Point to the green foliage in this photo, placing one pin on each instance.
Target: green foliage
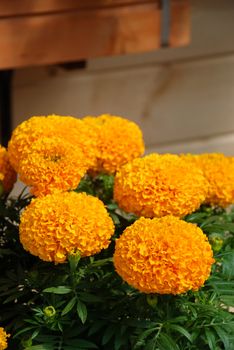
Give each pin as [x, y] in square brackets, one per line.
[83, 304]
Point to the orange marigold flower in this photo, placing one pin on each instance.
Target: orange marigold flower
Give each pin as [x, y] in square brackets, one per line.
[163, 255]
[219, 171]
[52, 165]
[159, 185]
[3, 338]
[119, 141]
[7, 174]
[69, 128]
[53, 226]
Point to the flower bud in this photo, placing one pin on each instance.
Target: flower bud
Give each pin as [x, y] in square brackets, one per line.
[216, 242]
[49, 311]
[152, 300]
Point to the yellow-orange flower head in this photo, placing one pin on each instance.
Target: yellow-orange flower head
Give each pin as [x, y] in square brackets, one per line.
[69, 128]
[163, 255]
[119, 141]
[7, 173]
[53, 226]
[3, 339]
[52, 165]
[159, 185]
[219, 171]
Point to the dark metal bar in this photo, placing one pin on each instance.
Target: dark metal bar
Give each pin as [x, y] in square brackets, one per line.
[5, 106]
[165, 26]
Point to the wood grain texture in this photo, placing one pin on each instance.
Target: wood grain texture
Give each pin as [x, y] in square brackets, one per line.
[29, 7]
[81, 33]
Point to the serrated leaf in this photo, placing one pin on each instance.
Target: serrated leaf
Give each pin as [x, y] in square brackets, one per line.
[81, 311]
[58, 290]
[69, 306]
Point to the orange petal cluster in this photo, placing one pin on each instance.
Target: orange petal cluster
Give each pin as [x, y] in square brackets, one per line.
[3, 339]
[53, 226]
[219, 172]
[52, 165]
[7, 174]
[68, 128]
[159, 185]
[165, 256]
[119, 141]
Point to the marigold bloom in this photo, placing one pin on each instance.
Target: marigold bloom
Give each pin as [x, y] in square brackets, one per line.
[3, 338]
[7, 174]
[69, 128]
[165, 256]
[119, 141]
[53, 226]
[219, 171]
[52, 165]
[159, 185]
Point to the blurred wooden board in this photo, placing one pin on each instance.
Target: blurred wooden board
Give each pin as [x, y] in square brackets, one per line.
[43, 32]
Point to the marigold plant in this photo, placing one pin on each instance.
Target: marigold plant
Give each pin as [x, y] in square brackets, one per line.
[56, 225]
[7, 174]
[69, 128]
[159, 185]
[3, 339]
[165, 256]
[219, 172]
[119, 141]
[52, 165]
[80, 270]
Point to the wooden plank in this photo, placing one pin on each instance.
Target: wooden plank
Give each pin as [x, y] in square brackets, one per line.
[26, 7]
[39, 40]
[80, 34]
[179, 24]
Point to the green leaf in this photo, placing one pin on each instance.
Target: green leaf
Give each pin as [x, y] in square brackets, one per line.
[96, 327]
[69, 306]
[228, 265]
[73, 261]
[23, 331]
[89, 298]
[166, 342]
[115, 218]
[224, 337]
[210, 337]
[81, 343]
[58, 290]
[108, 334]
[181, 330]
[81, 311]
[40, 347]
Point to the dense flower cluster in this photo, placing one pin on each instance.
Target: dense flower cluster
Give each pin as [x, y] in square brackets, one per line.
[7, 173]
[165, 256]
[53, 226]
[159, 185]
[3, 339]
[119, 141]
[219, 171]
[52, 165]
[68, 128]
